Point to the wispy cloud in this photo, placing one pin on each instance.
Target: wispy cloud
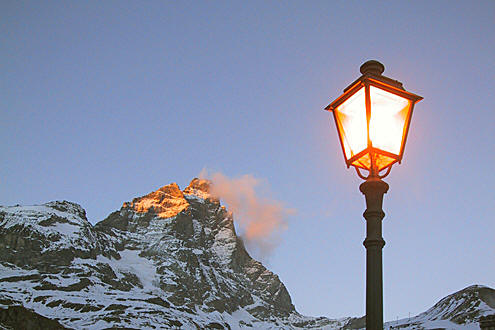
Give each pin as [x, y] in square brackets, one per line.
[260, 219]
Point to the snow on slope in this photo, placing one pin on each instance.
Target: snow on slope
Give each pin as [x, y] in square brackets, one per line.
[51, 219]
[460, 310]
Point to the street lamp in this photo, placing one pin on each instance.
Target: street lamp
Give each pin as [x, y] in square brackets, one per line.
[372, 117]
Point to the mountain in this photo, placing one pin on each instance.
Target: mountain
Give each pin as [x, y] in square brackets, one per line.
[462, 309]
[169, 259]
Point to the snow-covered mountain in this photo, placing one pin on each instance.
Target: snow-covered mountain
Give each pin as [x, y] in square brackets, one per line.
[170, 259]
[460, 310]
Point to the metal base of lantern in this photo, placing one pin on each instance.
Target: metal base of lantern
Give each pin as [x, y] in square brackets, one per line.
[373, 190]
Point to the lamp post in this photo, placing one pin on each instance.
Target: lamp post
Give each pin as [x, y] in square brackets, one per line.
[372, 118]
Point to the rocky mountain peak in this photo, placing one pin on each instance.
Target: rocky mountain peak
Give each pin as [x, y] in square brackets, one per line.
[200, 188]
[171, 189]
[169, 200]
[465, 305]
[47, 236]
[460, 310]
[166, 202]
[69, 207]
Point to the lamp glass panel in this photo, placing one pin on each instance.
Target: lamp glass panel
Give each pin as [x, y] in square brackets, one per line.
[363, 161]
[381, 161]
[351, 118]
[389, 113]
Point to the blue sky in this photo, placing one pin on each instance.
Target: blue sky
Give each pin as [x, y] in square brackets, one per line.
[103, 101]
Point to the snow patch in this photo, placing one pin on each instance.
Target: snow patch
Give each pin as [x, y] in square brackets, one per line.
[131, 262]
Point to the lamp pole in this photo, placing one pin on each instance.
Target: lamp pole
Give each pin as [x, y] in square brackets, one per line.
[373, 190]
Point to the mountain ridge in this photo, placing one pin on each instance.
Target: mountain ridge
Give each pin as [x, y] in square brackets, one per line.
[169, 258]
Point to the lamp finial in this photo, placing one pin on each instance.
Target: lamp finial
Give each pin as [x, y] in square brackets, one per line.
[372, 67]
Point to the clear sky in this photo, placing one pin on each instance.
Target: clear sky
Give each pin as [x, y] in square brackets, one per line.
[103, 101]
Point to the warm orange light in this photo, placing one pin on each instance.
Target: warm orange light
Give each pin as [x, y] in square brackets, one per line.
[351, 117]
[372, 118]
[376, 131]
[389, 114]
[381, 161]
[387, 117]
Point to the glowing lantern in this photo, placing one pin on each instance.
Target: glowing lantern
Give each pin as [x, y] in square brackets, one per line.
[372, 118]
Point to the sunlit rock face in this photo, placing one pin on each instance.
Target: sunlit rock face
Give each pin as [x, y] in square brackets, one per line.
[169, 259]
[199, 188]
[166, 202]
